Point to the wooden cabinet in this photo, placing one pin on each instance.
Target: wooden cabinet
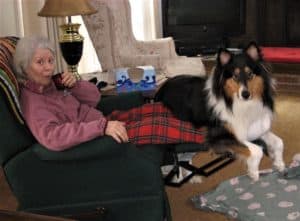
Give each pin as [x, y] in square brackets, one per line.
[293, 21]
[278, 22]
[268, 22]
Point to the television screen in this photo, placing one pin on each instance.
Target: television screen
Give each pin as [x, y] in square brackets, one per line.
[199, 25]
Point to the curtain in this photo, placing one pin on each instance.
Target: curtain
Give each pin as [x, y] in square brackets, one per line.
[32, 23]
[89, 61]
[146, 19]
[11, 25]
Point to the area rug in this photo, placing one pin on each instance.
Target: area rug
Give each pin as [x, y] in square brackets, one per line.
[275, 197]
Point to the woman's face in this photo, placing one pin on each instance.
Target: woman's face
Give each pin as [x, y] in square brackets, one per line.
[41, 66]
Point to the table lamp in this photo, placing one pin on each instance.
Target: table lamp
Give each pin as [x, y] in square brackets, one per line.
[71, 42]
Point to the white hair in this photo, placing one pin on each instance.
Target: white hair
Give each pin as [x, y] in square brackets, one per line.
[25, 50]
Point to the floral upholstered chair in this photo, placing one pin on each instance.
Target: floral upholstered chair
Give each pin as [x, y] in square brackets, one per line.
[110, 30]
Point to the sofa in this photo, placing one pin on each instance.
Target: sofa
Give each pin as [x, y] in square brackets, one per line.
[96, 180]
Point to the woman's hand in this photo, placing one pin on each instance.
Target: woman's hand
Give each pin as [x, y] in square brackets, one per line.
[117, 130]
[68, 79]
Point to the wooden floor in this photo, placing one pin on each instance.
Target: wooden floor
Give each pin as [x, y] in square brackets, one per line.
[21, 216]
[286, 82]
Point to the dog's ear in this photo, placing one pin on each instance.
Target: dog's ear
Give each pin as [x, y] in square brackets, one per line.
[253, 51]
[224, 57]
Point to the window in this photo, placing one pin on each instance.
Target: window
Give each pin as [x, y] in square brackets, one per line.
[89, 61]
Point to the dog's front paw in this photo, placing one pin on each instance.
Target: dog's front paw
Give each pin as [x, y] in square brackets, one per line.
[196, 179]
[254, 175]
[280, 166]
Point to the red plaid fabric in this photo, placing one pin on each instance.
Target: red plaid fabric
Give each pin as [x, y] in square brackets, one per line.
[155, 124]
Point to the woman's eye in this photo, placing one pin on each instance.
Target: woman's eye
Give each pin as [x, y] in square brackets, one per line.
[41, 62]
[51, 61]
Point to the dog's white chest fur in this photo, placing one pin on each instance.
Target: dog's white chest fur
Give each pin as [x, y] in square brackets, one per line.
[249, 119]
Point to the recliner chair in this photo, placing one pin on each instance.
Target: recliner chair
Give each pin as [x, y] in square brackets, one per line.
[96, 180]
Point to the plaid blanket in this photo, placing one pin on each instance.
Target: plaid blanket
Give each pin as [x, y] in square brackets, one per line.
[155, 124]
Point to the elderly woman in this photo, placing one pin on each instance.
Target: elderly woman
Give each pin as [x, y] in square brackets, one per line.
[60, 120]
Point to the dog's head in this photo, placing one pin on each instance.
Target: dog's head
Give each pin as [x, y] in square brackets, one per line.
[242, 76]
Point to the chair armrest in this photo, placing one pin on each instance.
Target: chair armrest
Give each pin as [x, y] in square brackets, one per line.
[95, 149]
[123, 101]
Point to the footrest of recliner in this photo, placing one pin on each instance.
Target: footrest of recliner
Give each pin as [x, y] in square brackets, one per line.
[204, 170]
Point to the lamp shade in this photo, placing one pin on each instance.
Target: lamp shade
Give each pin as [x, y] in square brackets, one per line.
[62, 8]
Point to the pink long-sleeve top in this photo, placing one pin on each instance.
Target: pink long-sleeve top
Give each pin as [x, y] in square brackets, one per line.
[61, 120]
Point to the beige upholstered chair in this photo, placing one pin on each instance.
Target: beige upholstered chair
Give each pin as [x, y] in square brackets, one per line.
[110, 30]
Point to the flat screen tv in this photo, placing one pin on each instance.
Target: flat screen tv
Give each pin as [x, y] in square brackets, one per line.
[202, 26]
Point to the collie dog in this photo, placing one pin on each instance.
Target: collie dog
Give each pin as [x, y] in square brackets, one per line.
[236, 104]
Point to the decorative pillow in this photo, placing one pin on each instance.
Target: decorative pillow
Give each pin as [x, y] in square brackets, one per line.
[8, 81]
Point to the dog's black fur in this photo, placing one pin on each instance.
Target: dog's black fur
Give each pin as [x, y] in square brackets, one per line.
[185, 97]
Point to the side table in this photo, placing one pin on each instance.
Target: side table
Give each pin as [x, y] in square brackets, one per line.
[110, 89]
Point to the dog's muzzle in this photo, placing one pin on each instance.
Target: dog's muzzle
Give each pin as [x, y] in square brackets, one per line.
[244, 93]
